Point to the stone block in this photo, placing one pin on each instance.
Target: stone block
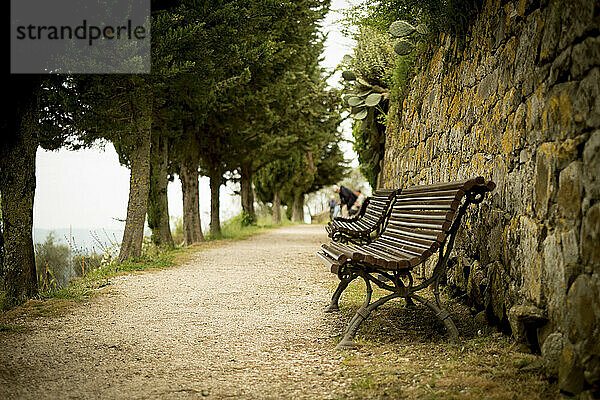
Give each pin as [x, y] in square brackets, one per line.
[591, 166]
[570, 251]
[586, 100]
[583, 307]
[555, 287]
[590, 238]
[530, 236]
[570, 190]
[557, 114]
[585, 55]
[476, 284]
[545, 185]
[533, 115]
[570, 371]
[497, 289]
[577, 17]
[551, 33]
[551, 351]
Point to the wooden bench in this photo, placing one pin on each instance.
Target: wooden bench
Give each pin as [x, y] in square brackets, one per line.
[360, 228]
[423, 220]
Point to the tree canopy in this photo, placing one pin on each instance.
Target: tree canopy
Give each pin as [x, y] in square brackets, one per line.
[235, 93]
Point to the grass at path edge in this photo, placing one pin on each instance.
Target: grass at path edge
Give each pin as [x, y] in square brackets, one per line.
[97, 281]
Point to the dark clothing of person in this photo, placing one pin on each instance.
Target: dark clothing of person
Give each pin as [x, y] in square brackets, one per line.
[347, 196]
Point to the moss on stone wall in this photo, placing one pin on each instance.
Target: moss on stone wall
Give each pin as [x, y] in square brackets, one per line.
[518, 101]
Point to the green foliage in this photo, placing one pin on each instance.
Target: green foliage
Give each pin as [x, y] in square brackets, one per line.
[84, 263]
[401, 76]
[401, 29]
[52, 264]
[246, 219]
[447, 16]
[378, 70]
[373, 63]
[272, 178]
[373, 57]
[403, 47]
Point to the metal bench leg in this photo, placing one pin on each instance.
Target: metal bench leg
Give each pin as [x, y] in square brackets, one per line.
[344, 282]
[362, 313]
[442, 314]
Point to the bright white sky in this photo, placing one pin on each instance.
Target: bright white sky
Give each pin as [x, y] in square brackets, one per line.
[89, 188]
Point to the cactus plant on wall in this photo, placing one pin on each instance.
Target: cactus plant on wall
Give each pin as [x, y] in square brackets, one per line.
[405, 31]
[367, 81]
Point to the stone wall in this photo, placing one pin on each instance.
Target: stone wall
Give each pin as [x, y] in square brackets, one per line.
[519, 103]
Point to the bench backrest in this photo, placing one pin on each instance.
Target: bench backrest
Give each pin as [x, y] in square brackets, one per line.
[422, 216]
[374, 211]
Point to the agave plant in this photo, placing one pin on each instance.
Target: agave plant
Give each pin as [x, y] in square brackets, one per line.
[402, 30]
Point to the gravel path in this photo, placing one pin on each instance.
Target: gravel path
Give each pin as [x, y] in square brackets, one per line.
[242, 320]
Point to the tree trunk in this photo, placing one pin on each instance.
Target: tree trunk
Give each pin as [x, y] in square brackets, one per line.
[298, 208]
[158, 203]
[17, 187]
[276, 208]
[139, 183]
[246, 190]
[1, 245]
[188, 174]
[215, 184]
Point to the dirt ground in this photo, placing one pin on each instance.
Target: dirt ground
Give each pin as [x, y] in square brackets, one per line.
[245, 320]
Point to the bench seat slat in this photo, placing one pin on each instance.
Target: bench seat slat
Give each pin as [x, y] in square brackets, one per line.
[406, 248]
[335, 253]
[417, 242]
[379, 259]
[417, 204]
[423, 215]
[412, 261]
[379, 202]
[331, 263]
[367, 255]
[385, 260]
[405, 252]
[456, 193]
[358, 226]
[371, 218]
[348, 251]
[441, 207]
[427, 224]
[375, 210]
[417, 233]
